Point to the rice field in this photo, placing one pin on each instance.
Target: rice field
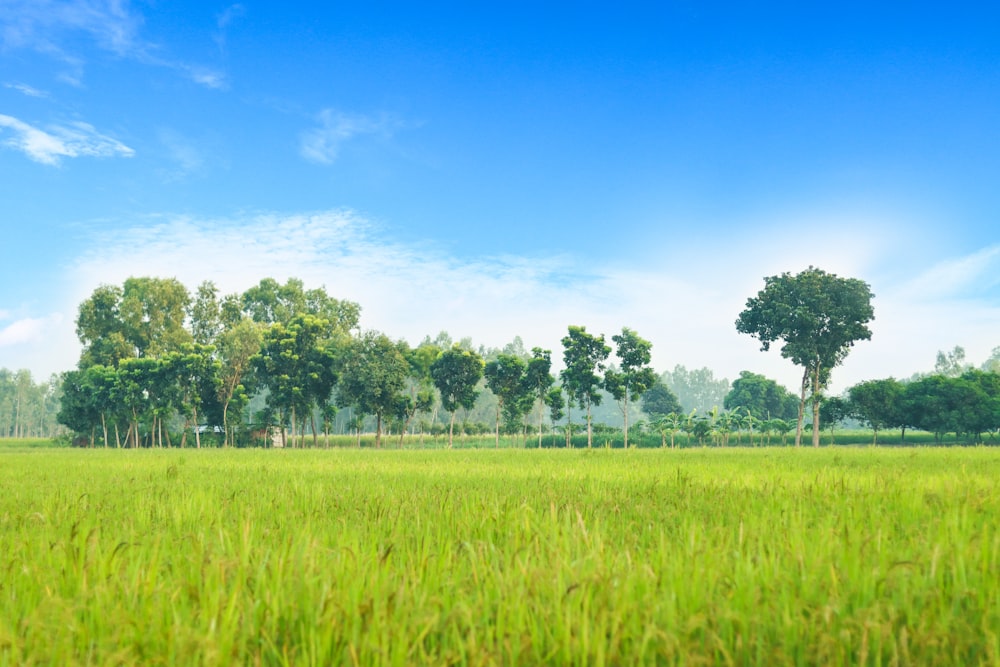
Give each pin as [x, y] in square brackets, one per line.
[837, 556]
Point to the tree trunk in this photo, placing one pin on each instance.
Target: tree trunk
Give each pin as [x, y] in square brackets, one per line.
[225, 423]
[802, 408]
[816, 400]
[104, 427]
[378, 430]
[569, 423]
[590, 435]
[625, 413]
[540, 420]
[451, 430]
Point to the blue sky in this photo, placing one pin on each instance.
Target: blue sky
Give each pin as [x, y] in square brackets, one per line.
[509, 169]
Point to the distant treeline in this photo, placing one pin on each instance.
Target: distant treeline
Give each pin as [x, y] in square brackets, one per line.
[161, 366]
[28, 409]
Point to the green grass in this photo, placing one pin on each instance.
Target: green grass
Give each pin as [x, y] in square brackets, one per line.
[702, 556]
[7, 444]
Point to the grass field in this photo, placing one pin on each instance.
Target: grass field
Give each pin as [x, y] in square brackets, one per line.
[753, 556]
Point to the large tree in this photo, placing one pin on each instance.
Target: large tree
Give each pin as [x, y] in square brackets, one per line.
[505, 377]
[419, 395]
[456, 372]
[877, 403]
[538, 380]
[633, 376]
[296, 363]
[143, 318]
[818, 316]
[372, 378]
[584, 355]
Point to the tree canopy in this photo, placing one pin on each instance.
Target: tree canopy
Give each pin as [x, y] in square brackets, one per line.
[818, 316]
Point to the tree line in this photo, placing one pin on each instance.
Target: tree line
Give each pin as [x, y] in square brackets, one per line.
[28, 409]
[162, 366]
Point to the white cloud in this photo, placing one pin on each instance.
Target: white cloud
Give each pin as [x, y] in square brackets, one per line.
[207, 77]
[42, 24]
[25, 89]
[27, 330]
[76, 139]
[51, 26]
[972, 273]
[322, 144]
[685, 306]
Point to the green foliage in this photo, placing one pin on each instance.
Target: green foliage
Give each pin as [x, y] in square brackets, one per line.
[818, 316]
[762, 397]
[28, 408]
[878, 404]
[143, 318]
[456, 372]
[372, 378]
[583, 356]
[658, 401]
[506, 378]
[969, 404]
[633, 376]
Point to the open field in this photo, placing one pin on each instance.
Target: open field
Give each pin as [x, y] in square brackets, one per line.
[702, 556]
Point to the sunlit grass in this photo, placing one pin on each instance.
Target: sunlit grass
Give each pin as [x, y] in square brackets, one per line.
[768, 556]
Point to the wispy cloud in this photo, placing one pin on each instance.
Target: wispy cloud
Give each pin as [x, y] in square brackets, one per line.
[25, 89]
[185, 156]
[43, 24]
[27, 330]
[50, 145]
[204, 76]
[50, 26]
[686, 308]
[223, 21]
[322, 144]
[968, 275]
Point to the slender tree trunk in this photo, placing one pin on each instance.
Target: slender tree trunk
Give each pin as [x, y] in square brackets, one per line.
[104, 427]
[802, 408]
[816, 408]
[451, 430]
[540, 420]
[626, 419]
[569, 422]
[197, 431]
[496, 444]
[590, 433]
[225, 423]
[312, 423]
[378, 430]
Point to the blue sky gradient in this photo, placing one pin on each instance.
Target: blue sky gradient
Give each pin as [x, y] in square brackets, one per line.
[511, 169]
